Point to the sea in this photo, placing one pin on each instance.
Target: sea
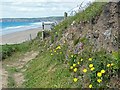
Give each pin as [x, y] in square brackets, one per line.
[11, 27]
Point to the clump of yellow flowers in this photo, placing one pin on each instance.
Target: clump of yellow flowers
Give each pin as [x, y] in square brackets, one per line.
[58, 47]
[75, 79]
[71, 67]
[90, 86]
[74, 65]
[102, 71]
[109, 65]
[99, 74]
[84, 70]
[90, 59]
[99, 80]
[78, 63]
[75, 70]
[91, 67]
[81, 59]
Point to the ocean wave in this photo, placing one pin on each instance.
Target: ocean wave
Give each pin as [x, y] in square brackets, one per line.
[9, 30]
[37, 23]
[12, 29]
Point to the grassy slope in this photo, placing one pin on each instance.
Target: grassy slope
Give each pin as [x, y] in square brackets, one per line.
[45, 71]
[12, 53]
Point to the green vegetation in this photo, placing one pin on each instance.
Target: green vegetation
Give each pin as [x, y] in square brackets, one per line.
[8, 50]
[11, 82]
[59, 71]
[61, 65]
[54, 74]
[88, 14]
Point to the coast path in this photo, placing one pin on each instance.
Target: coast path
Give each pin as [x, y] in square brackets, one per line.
[20, 66]
[3, 76]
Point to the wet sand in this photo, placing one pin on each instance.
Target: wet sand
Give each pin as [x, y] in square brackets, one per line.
[19, 37]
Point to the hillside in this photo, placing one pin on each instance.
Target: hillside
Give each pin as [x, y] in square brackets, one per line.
[80, 52]
[31, 19]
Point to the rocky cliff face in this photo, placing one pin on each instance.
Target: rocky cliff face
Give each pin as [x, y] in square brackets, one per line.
[101, 31]
[106, 28]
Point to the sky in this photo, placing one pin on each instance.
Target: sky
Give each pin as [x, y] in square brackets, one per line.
[36, 8]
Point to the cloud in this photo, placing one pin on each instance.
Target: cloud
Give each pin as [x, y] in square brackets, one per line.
[41, 1]
[36, 8]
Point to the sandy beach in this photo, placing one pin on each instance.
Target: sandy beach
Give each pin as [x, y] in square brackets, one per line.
[19, 37]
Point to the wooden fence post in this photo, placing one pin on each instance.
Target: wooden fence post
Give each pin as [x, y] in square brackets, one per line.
[65, 15]
[42, 34]
[42, 30]
[30, 37]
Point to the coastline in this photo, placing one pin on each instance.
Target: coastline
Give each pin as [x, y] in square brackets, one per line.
[19, 37]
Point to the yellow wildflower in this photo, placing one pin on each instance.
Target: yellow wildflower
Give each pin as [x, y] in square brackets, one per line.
[51, 54]
[60, 52]
[84, 70]
[71, 67]
[81, 59]
[54, 50]
[71, 55]
[90, 86]
[75, 70]
[99, 74]
[102, 71]
[112, 64]
[91, 65]
[74, 65]
[92, 68]
[108, 65]
[58, 47]
[56, 32]
[99, 80]
[75, 79]
[90, 59]
[78, 62]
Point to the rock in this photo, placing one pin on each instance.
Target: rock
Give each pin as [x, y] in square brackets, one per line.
[73, 23]
[107, 33]
[95, 35]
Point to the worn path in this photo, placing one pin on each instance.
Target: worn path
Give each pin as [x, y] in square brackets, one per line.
[19, 66]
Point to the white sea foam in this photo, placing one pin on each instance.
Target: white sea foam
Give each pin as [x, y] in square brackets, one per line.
[9, 30]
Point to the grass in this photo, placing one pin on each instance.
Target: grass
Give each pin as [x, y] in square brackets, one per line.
[8, 50]
[52, 67]
[53, 74]
[11, 82]
[47, 71]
